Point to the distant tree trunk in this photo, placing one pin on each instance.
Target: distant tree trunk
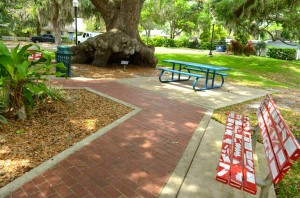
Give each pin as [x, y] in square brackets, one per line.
[38, 27]
[121, 40]
[55, 23]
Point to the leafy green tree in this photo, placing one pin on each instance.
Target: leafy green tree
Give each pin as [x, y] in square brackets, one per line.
[88, 11]
[180, 15]
[57, 12]
[15, 17]
[147, 17]
[256, 16]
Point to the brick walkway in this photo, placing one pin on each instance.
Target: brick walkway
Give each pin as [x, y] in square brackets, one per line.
[134, 159]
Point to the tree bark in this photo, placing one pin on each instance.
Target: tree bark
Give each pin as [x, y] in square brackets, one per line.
[121, 40]
[55, 23]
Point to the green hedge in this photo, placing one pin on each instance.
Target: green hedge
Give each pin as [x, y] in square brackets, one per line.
[167, 42]
[282, 53]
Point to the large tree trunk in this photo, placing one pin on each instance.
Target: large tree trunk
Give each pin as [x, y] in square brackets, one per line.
[121, 40]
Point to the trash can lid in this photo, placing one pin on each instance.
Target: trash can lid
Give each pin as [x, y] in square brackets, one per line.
[64, 48]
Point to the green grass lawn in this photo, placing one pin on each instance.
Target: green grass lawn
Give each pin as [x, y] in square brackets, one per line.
[251, 71]
[263, 73]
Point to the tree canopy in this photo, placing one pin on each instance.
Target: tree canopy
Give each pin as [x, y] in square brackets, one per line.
[256, 16]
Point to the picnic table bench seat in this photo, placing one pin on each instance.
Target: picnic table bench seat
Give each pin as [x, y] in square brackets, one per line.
[236, 164]
[189, 75]
[207, 72]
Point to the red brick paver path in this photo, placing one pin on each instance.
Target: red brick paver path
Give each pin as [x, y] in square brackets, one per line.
[134, 159]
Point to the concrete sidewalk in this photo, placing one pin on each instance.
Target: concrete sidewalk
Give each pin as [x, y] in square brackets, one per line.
[197, 179]
[168, 147]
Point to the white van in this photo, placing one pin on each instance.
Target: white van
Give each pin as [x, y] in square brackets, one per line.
[85, 36]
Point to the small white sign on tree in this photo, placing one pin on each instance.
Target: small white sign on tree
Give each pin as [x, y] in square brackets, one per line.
[124, 63]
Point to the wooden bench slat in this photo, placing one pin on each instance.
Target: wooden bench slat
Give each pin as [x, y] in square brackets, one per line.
[223, 169]
[280, 153]
[280, 144]
[274, 168]
[236, 176]
[285, 135]
[249, 169]
[236, 164]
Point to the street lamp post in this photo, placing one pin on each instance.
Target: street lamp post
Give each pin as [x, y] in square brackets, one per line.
[75, 5]
[212, 36]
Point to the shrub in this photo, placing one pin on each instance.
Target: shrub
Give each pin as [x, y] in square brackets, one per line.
[282, 53]
[159, 41]
[181, 42]
[169, 43]
[237, 48]
[193, 43]
[21, 78]
[249, 49]
[206, 46]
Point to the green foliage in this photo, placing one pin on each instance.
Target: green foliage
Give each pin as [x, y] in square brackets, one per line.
[3, 120]
[21, 78]
[180, 15]
[206, 45]
[282, 53]
[257, 17]
[181, 42]
[242, 37]
[57, 93]
[205, 36]
[170, 43]
[159, 41]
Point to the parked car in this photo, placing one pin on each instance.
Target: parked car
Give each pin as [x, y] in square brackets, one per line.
[85, 36]
[43, 38]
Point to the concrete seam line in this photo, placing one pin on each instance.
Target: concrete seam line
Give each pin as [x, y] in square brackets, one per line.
[17, 183]
[174, 183]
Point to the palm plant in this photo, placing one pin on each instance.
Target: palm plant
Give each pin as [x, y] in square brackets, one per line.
[21, 78]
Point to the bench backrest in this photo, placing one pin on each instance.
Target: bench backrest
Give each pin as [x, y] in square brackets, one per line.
[280, 144]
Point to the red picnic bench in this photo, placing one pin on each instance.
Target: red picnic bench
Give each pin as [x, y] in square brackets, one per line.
[35, 56]
[236, 164]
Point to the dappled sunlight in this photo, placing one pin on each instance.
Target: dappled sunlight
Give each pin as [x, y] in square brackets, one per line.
[138, 175]
[4, 150]
[214, 98]
[88, 124]
[189, 124]
[147, 144]
[148, 155]
[218, 144]
[9, 165]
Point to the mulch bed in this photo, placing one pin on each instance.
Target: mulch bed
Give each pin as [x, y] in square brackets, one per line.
[54, 126]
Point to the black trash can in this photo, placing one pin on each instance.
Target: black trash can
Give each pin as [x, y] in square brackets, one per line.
[63, 55]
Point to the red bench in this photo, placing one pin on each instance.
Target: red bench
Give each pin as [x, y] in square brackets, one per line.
[236, 164]
[35, 56]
